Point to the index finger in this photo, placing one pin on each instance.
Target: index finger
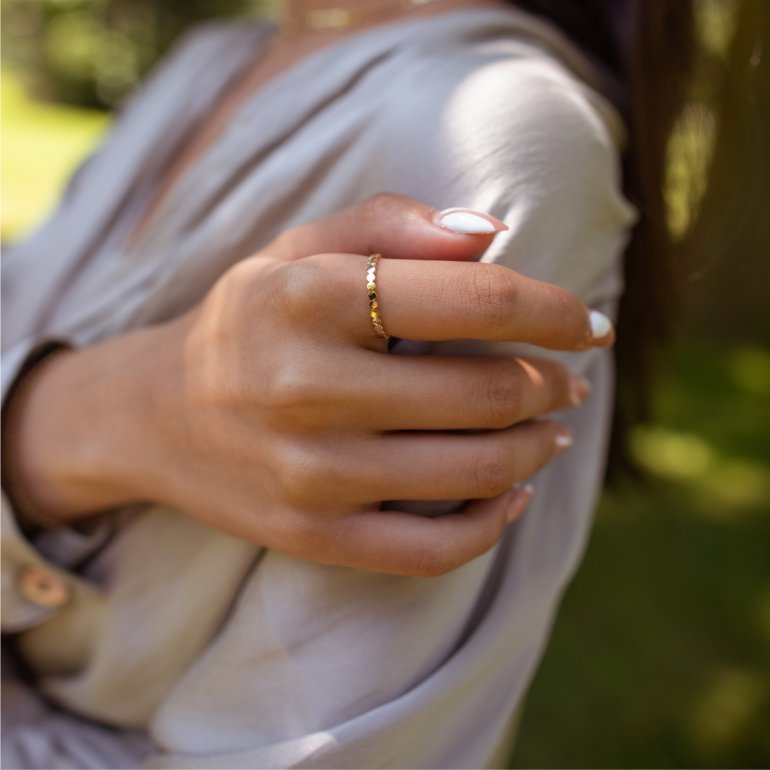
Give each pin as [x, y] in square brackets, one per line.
[438, 300]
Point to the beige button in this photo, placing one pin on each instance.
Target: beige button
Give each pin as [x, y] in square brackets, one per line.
[43, 588]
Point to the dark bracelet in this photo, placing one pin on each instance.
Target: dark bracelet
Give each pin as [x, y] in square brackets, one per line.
[28, 518]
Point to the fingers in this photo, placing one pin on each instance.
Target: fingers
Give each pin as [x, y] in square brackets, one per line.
[405, 544]
[443, 393]
[393, 225]
[455, 300]
[440, 301]
[440, 466]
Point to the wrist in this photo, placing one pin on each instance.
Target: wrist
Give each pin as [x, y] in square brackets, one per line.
[27, 511]
[78, 440]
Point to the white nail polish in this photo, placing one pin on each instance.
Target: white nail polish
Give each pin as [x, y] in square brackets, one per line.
[601, 326]
[467, 222]
[563, 440]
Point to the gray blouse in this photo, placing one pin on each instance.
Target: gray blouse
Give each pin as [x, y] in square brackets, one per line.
[166, 644]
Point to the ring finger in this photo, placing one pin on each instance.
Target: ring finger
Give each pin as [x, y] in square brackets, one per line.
[436, 466]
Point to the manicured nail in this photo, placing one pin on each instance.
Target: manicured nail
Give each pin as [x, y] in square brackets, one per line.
[468, 222]
[579, 389]
[521, 499]
[601, 326]
[563, 439]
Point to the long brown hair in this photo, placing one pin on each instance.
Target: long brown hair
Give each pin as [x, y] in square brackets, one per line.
[647, 47]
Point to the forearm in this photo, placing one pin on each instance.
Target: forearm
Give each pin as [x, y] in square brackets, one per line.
[79, 435]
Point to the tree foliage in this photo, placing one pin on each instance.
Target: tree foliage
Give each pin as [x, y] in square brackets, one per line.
[94, 52]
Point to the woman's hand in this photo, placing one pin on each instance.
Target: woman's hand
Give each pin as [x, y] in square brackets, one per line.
[273, 412]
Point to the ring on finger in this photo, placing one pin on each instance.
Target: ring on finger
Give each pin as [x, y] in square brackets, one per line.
[371, 288]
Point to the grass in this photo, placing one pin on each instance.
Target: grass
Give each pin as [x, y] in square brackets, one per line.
[42, 144]
[659, 656]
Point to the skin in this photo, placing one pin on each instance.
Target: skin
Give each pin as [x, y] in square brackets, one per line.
[273, 412]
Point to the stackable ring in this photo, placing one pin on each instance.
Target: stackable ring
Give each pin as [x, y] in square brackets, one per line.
[371, 288]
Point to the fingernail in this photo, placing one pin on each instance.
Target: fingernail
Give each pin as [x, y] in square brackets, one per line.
[522, 498]
[468, 222]
[579, 389]
[563, 439]
[601, 326]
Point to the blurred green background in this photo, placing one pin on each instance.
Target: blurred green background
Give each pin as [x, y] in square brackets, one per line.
[661, 653]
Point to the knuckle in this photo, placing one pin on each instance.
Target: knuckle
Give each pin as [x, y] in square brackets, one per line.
[502, 394]
[300, 474]
[445, 554]
[491, 474]
[291, 387]
[237, 288]
[242, 270]
[296, 287]
[550, 381]
[378, 206]
[494, 291]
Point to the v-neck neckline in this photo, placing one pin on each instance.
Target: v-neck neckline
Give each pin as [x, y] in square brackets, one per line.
[159, 195]
[372, 42]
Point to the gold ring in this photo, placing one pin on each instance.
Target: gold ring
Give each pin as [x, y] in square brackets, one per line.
[371, 288]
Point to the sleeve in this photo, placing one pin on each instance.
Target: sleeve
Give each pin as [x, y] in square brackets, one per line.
[524, 139]
[39, 565]
[39, 573]
[525, 143]
[34, 588]
[44, 270]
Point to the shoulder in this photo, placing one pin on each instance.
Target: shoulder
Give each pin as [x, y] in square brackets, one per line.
[487, 105]
[506, 125]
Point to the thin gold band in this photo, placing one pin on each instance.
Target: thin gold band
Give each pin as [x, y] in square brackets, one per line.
[371, 288]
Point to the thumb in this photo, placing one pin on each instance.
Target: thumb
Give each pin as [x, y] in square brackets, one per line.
[395, 226]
